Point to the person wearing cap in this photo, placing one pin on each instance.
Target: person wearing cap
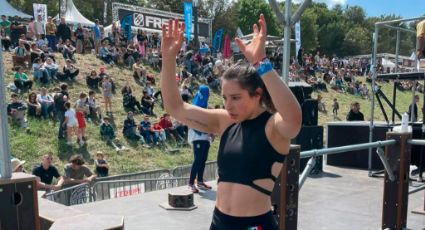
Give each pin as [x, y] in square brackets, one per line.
[17, 165]
[16, 110]
[76, 172]
[45, 173]
[51, 33]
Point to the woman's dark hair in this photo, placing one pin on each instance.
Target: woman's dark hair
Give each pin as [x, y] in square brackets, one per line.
[126, 89]
[67, 105]
[30, 97]
[247, 77]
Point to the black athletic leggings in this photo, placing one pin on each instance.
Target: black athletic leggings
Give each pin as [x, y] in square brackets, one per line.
[223, 221]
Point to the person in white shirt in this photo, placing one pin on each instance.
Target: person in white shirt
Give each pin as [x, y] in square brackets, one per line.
[52, 68]
[71, 124]
[39, 26]
[46, 102]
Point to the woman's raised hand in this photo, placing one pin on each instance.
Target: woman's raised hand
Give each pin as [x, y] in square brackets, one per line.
[256, 50]
[172, 38]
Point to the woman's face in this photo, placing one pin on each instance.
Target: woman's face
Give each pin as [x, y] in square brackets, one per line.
[237, 101]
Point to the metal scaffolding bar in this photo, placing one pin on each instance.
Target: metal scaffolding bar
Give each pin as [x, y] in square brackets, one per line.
[335, 150]
[306, 172]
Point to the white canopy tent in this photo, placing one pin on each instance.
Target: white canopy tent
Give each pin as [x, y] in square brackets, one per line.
[8, 10]
[73, 16]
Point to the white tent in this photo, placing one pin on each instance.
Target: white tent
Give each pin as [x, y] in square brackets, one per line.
[387, 63]
[73, 16]
[8, 10]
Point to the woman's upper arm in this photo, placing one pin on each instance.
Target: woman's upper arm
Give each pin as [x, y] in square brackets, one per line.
[205, 120]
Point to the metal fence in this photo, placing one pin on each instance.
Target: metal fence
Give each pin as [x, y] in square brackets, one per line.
[210, 173]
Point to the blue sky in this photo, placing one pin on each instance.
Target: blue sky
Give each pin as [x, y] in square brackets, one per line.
[404, 8]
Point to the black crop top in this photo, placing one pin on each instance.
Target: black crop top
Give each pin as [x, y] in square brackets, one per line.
[245, 154]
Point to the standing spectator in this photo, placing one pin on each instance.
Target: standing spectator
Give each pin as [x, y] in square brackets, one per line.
[45, 173]
[97, 36]
[16, 29]
[355, 114]
[320, 104]
[82, 110]
[71, 124]
[201, 144]
[39, 27]
[16, 110]
[46, 102]
[51, 33]
[335, 107]
[30, 29]
[63, 31]
[79, 34]
[5, 32]
[59, 101]
[21, 80]
[107, 94]
[76, 172]
[102, 166]
[413, 107]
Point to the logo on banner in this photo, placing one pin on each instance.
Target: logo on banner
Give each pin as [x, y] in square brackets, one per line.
[139, 19]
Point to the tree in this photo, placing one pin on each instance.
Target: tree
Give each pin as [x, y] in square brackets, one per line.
[309, 30]
[357, 41]
[248, 13]
[355, 15]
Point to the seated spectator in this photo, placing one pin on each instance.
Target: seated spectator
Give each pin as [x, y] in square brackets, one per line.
[40, 72]
[34, 107]
[76, 172]
[94, 109]
[148, 103]
[36, 53]
[17, 165]
[16, 110]
[70, 71]
[102, 166]
[149, 89]
[145, 130]
[130, 129]
[46, 102]
[21, 56]
[45, 173]
[52, 68]
[21, 80]
[159, 133]
[181, 128]
[166, 124]
[60, 45]
[364, 91]
[139, 72]
[129, 101]
[105, 55]
[107, 134]
[68, 50]
[93, 80]
[186, 94]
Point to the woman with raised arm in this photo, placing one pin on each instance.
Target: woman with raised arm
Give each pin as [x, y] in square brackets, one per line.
[261, 115]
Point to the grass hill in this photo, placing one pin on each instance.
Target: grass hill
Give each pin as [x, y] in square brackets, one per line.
[43, 135]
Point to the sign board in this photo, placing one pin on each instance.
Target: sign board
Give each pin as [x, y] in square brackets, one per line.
[152, 20]
[40, 9]
[188, 19]
[127, 190]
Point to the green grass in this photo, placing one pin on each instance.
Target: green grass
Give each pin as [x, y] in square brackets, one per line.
[43, 135]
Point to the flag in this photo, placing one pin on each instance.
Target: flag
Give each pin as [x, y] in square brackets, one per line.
[297, 36]
[126, 23]
[188, 19]
[217, 40]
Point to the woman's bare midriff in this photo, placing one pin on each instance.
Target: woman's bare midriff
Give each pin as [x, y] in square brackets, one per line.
[241, 200]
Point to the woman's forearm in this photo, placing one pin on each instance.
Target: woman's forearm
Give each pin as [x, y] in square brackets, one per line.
[170, 92]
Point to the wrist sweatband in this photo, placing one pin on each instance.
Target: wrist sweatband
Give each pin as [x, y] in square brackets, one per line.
[264, 67]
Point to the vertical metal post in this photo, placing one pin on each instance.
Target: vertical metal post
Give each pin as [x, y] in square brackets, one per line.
[372, 104]
[289, 179]
[195, 24]
[396, 193]
[5, 168]
[286, 42]
[397, 52]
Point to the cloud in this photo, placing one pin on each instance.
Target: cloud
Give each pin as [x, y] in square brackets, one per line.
[330, 3]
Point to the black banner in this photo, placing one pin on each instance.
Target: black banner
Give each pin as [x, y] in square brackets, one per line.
[152, 21]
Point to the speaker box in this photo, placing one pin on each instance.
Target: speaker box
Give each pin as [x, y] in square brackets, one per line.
[18, 203]
[310, 137]
[301, 91]
[350, 133]
[310, 112]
